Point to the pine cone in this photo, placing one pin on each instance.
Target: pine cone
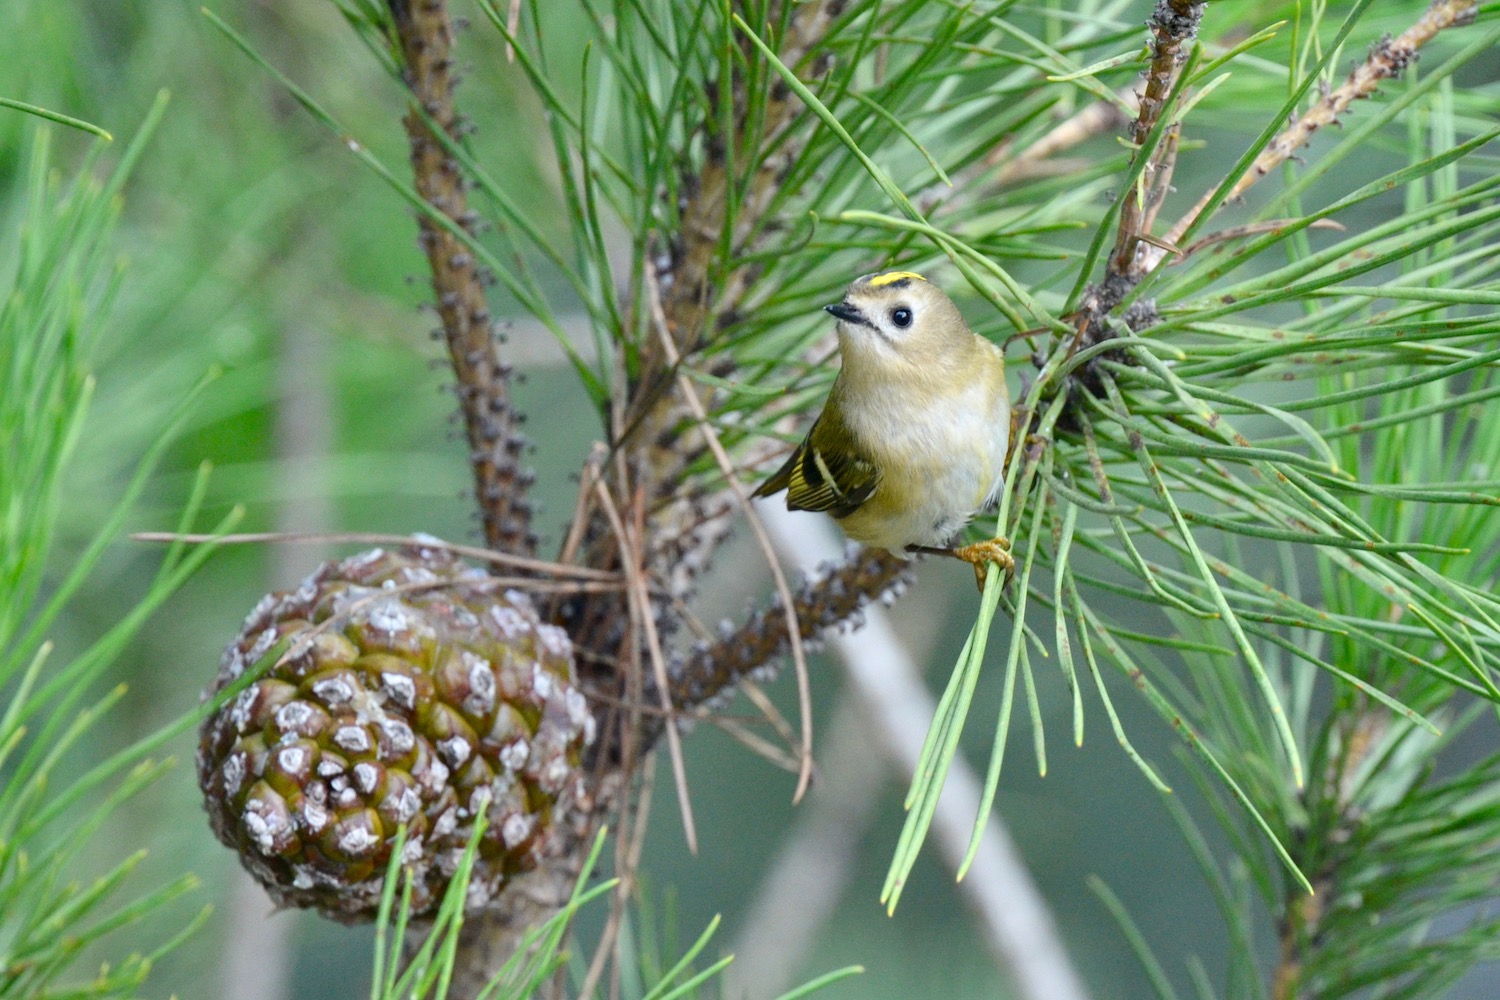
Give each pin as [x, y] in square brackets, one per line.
[410, 691]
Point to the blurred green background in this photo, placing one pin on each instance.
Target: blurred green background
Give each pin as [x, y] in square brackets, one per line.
[252, 240]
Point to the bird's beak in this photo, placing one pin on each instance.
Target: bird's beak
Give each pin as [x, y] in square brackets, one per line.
[847, 313]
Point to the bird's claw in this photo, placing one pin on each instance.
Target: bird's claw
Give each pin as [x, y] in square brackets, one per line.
[981, 554]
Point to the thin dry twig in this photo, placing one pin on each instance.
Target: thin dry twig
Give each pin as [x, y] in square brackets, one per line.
[746, 737]
[769, 713]
[689, 394]
[539, 567]
[1251, 229]
[512, 27]
[642, 616]
[1161, 178]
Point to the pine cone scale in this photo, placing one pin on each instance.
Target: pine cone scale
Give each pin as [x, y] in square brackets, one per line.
[413, 695]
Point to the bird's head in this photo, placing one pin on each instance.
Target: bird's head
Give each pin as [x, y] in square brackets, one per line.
[896, 319]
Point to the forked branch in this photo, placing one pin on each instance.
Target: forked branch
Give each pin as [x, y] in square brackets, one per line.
[1387, 60]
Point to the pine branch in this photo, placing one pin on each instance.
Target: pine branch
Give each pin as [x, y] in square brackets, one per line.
[1174, 24]
[696, 291]
[491, 421]
[830, 600]
[1301, 911]
[1387, 60]
[701, 288]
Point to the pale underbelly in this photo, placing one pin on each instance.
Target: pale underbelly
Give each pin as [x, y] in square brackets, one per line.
[929, 509]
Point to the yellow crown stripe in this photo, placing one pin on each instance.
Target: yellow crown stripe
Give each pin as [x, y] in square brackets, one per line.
[891, 277]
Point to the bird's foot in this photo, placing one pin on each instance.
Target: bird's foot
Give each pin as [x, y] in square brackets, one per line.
[981, 554]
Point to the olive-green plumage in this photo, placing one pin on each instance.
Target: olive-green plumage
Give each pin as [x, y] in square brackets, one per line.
[913, 437]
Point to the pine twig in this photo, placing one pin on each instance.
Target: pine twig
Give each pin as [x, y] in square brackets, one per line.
[644, 622]
[1173, 24]
[694, 298]
[491, 421]
[830, 600]
[655, 436]
[690, 298]
[689, 396]
[1387, 60]
[1302, 911]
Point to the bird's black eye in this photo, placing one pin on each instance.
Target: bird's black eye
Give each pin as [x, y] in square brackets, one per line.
[901, 316]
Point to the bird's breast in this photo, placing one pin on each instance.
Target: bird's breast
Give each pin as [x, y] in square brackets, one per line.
[941, 458]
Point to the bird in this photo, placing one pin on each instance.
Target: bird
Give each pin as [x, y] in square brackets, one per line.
[914, 436]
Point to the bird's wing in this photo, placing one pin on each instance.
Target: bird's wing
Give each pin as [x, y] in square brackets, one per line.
[825, 473]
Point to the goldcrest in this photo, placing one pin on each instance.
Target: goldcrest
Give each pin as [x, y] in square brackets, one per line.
[913, 438]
